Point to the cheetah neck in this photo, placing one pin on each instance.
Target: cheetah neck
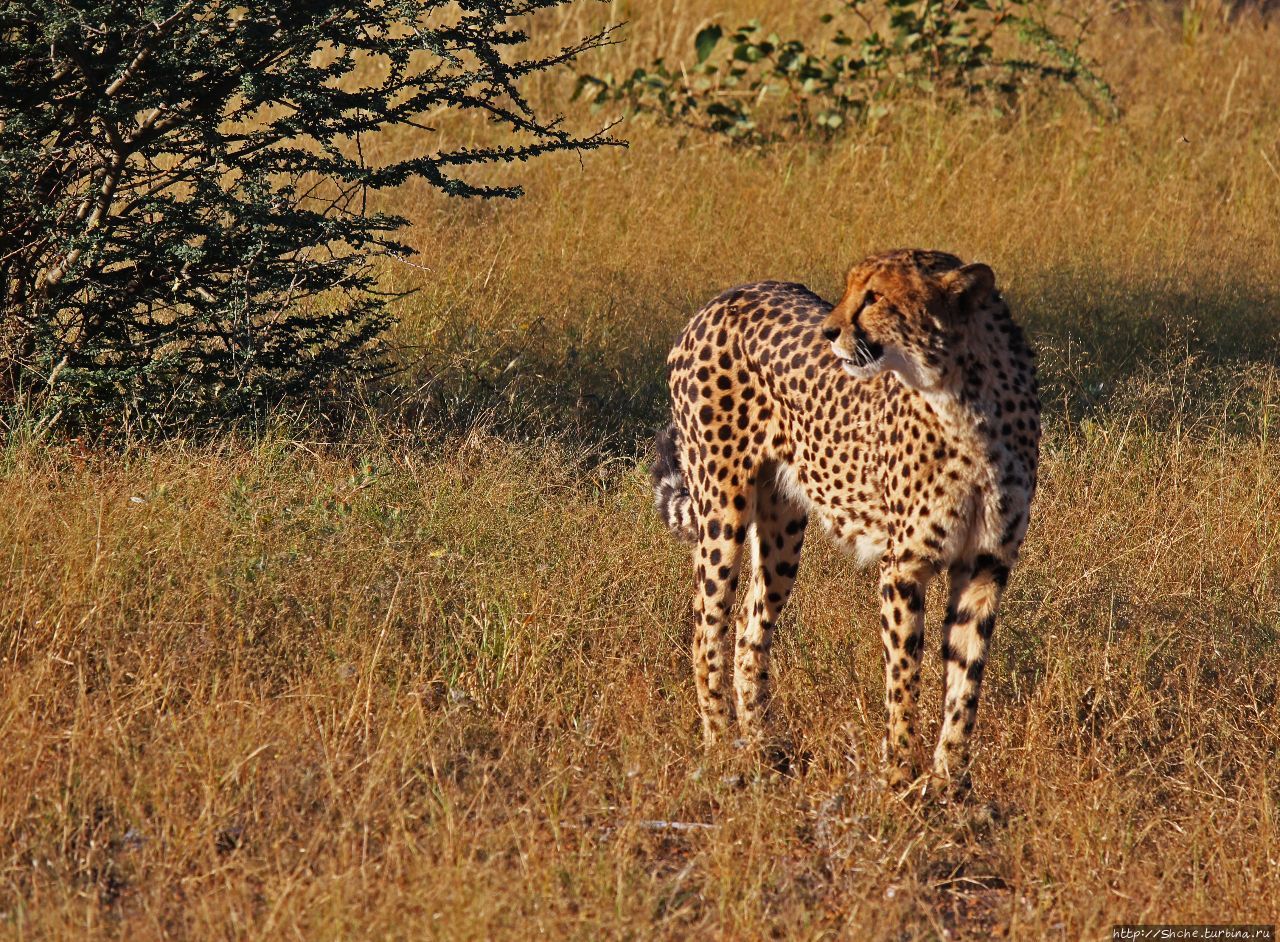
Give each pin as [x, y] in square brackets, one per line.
[967, 403]
[963, 421]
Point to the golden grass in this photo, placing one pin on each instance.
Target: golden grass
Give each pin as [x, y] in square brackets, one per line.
[430, 679]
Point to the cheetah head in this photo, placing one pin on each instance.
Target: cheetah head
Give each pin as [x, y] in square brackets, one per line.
[906, 313]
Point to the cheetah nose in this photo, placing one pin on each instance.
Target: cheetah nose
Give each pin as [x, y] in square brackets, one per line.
[831, 333]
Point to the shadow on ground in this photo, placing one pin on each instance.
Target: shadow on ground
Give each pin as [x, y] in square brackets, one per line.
[1105, 345]
[1100, 339]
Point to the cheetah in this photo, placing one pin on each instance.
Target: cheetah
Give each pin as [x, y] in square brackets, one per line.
[906, 420]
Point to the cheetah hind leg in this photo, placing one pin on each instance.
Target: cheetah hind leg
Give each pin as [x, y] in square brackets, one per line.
[776, 541]
[718, 558]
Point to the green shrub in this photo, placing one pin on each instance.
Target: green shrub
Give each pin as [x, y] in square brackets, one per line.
[753, 85]
[184, 232]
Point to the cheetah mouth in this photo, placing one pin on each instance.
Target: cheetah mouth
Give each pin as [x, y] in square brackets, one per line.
[866, 361]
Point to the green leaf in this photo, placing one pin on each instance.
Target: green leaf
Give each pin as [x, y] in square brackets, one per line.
[705, 42]
[582, 83]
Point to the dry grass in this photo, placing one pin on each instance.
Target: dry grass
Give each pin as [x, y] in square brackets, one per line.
[430, 680]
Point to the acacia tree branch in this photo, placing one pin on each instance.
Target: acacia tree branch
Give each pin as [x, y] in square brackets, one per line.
[173, 219]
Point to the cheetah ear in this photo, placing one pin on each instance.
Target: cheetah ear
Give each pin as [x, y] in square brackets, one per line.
[969, 287]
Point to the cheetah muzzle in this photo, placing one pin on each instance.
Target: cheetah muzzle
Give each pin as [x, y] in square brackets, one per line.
[905, 420]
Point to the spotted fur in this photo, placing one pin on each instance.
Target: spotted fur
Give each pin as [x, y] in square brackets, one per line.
[905, 419]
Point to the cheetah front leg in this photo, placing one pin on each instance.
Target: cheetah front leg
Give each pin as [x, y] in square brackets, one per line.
[966, 635]
[902, 593]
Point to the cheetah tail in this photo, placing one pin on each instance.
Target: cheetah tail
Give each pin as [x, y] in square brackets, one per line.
[670, 493]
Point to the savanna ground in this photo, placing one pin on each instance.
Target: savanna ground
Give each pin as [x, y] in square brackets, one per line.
[423, 673]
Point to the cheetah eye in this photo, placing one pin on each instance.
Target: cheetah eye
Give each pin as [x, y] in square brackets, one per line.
[870, 298]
